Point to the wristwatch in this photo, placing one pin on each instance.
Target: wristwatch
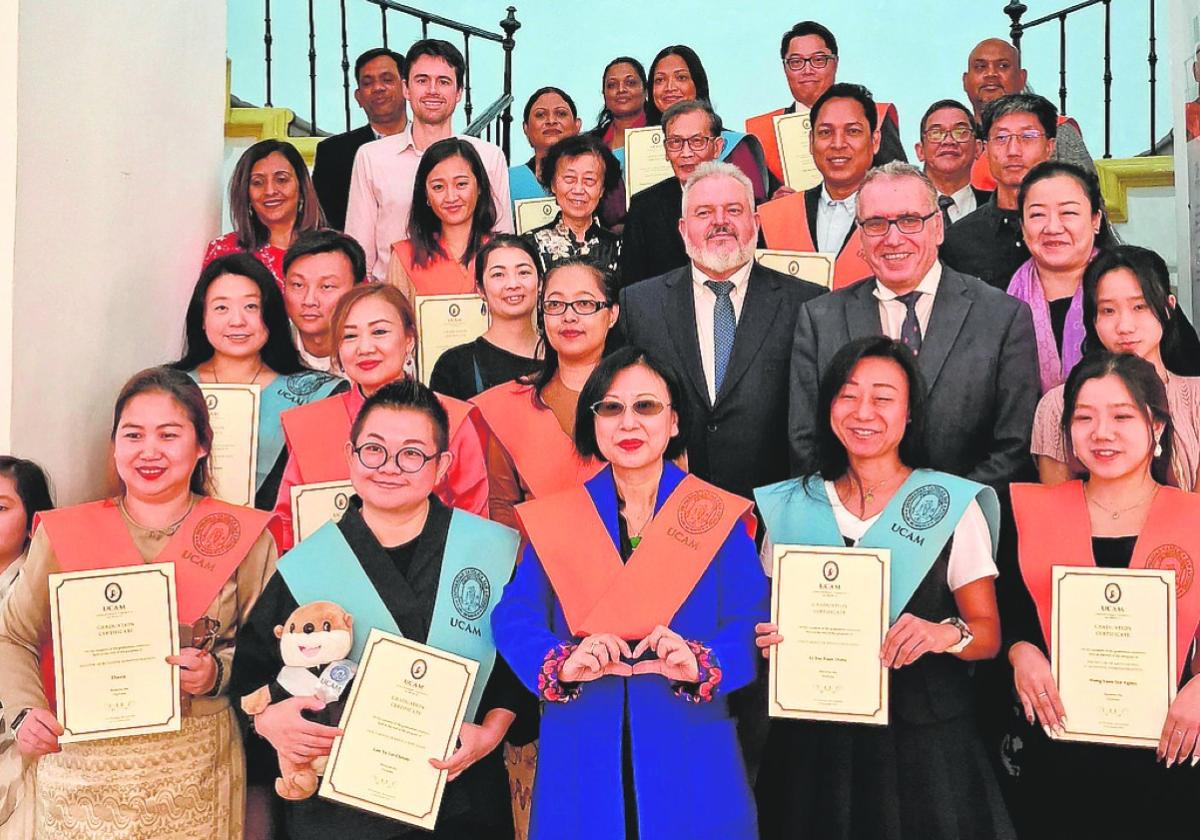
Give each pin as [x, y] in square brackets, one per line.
[963, 628]
[18, 720]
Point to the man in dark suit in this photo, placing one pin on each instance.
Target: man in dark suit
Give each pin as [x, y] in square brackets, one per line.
[725, 324]
[378, 73]
[948, 146]
[974, 344]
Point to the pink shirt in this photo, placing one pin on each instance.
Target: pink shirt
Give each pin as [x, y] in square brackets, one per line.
[381, 191]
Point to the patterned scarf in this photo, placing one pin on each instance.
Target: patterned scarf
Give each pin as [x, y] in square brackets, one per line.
[1053, 370]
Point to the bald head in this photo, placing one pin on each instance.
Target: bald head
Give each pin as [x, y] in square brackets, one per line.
[993, 70]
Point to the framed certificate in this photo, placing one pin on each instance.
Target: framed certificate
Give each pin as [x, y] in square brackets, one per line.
[1112, 652]
[233, 412]
[315, 504]
[406, 706]
[445, 321]
[792, 132]
[813, 267]
[532, 213]
[112, 631]
[645, 160]
[831, 607]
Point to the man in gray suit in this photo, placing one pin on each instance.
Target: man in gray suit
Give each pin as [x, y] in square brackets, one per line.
[974, 344]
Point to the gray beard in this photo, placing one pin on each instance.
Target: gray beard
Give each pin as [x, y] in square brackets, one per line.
[712, 262]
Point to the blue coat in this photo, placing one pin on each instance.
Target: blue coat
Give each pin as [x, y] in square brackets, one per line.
[688, 772]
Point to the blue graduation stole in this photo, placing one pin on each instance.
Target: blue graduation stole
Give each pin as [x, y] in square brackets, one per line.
[523, 184]
[731, 138]
[477, 563]
[916, 524]
[284, 392]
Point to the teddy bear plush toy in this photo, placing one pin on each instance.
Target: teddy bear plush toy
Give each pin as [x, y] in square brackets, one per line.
[314, 642]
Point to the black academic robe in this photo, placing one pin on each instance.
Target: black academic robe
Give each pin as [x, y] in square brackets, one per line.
[477, 804]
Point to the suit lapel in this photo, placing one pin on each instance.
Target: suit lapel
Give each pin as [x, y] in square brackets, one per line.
[680, 317]
[812, 201]
[760, 307]
[862, 311]
[950, 308]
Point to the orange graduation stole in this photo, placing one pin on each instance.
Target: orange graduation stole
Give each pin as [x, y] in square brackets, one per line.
[785, 227]
[763, 127]
[981, 173]
[440, 276]
[599, 593]
[544, 456]
[206, 550]
[1053, 529]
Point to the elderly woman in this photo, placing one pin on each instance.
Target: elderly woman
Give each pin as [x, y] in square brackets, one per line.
[633, 641]
[925, 776]
[550, 115]
[271, 201]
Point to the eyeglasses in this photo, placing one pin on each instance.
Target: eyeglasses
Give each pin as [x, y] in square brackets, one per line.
[878, 225]
[585, 306]
[819, 61]
[409, 459]
[697, 143]
[1026, 137]
[644, 407]
[959, 134]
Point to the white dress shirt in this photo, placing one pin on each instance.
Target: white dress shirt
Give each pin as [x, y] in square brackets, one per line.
[892, 311]
[834, 220]
[705, 301]
[964, 202]
[381, 192]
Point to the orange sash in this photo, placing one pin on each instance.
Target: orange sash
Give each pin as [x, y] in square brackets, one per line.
[785, 227]
[599, 593]
[441, 276]
[544, 456]
[1053, 529]
[981, 173]
[763, 127]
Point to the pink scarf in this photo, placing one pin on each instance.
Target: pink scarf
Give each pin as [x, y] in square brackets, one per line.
[1052, 369]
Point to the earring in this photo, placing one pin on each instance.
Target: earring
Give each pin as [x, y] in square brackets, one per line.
[1158, 447]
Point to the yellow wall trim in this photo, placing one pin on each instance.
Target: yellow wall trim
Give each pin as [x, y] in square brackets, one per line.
[1118, 176]
[265, 124]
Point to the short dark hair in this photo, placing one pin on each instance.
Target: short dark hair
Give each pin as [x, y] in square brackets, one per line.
[695, 67]
[506, 240]
[423, 223]
[1144, 385]
[601, 380]
[1087, 181]
[328, 241]
[808, 27]
[33, 488]
[575, 146]
[604, 118]
[1152, 275]
[251, 233]
[688, 106]
[436, 48]
[407, 393]
[848, 90]
[542, 91]
[1020, 103]
[948, 103]
[831, 461]
[372, 54]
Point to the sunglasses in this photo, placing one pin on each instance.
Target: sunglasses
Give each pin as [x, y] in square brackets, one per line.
[615, 408]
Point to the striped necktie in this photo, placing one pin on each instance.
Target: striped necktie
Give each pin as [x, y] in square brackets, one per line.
[724, 327]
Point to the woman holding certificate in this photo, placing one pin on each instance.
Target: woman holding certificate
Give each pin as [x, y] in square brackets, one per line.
[1103, 669]
[236, 333]
[631, 617]
[924, 774]
[375, 333]
[399, 561]
[187, 779]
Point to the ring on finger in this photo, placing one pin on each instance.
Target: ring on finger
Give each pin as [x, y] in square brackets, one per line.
[1043, 694]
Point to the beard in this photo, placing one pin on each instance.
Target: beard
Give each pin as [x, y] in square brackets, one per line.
[718, 261]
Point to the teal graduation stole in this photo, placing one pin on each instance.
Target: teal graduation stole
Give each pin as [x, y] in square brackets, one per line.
[523, 184]
[282, 393]
[477, 563]
[916, 524]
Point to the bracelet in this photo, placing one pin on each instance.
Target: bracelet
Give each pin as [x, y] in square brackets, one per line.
[216, 689]
[964, 629]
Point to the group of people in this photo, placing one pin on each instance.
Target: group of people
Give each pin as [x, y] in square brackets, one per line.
[989, 367]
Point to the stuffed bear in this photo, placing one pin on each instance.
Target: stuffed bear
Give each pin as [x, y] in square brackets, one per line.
[314, 642]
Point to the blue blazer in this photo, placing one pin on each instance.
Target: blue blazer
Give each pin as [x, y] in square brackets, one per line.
[689, 777]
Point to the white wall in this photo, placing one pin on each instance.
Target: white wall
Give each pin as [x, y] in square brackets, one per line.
[8, 192]
[119, 117]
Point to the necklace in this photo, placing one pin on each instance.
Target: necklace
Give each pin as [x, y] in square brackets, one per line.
[217, 380]
[167, 531]
[868, 493]
[1116, 514]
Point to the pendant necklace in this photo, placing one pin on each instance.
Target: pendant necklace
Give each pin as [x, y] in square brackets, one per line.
[1116, 514]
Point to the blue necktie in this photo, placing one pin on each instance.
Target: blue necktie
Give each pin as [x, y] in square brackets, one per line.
[724, 327]
[910, 330]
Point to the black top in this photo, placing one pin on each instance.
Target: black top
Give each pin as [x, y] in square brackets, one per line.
[556, 243]
[1058, 320]
[332, 168]
[470, 369]
[987, 244]
[651, 244]
[402, 556]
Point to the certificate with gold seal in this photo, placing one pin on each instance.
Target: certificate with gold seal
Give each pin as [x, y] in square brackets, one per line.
[406, 706]
[645, 160]
[233, 412]
[803, 265]
[1112, 644]
[315, 504]
[792, 132]
[112, 630]
[532, 213]
[831, 607]
[445, 321]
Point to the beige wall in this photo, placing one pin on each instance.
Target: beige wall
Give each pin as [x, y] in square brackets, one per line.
[119, 142]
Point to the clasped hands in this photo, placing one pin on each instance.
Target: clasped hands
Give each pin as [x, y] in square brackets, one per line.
[604, 654]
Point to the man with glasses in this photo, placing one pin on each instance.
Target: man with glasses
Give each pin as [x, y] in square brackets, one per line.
[948, 147]
[651, 244]
[974, 344]
[809, 54]
[1018, 133]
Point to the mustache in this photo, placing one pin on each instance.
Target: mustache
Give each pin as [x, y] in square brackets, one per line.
[720, 230]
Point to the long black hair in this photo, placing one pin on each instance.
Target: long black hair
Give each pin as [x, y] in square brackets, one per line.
[424, 225]
[605, 117]
[33, 488]
[695, 68]
[1151, 273]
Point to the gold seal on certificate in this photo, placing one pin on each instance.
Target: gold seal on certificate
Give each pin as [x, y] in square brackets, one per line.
[113, 630]
[831, 607]
[1112, 644]
[233, 412]
[315, 504]
[792, 132]
[534, 212]
[803, 265]
[445, 321]
[406, 706]
[645, 160]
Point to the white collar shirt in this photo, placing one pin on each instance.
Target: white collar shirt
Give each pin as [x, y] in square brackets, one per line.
[705, 300]
[892, 311]
[835, 218]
